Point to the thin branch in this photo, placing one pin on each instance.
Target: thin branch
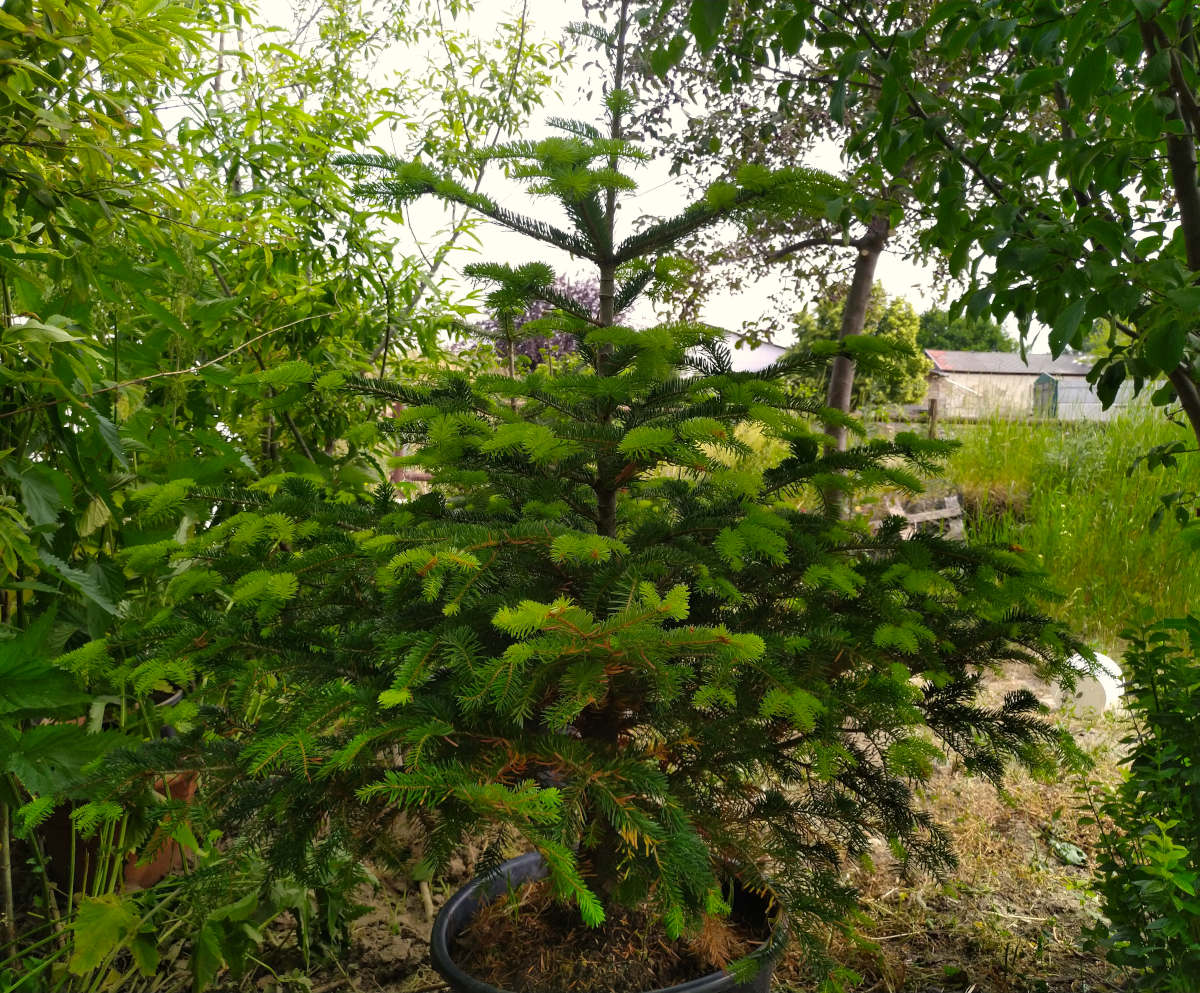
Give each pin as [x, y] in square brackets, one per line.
[507, 115]
[1189, 395]
[190, 371]
[287, 417]
[813, 241]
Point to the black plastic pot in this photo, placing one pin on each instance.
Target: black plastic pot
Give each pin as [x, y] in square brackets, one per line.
[457, 912]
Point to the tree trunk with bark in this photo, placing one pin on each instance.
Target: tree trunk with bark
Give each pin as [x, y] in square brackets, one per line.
[854, 316]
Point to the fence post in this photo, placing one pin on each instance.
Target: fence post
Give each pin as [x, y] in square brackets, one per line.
[933, 416]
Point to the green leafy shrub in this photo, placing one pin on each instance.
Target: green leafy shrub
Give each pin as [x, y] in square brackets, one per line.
[60, 720]
[1150, 864]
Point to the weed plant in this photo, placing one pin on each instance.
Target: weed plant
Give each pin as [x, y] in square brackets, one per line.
[1070, 494]
[1150, 863]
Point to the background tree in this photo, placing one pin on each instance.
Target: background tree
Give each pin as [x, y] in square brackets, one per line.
[1028, 158]
[214, 243]
[761, 95]
[522, 336]
[893, 375]
[1062, 183]
[939, 329]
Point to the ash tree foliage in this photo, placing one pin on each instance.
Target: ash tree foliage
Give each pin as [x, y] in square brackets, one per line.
[1061, 178]
[74, 149]
[762, 95]
[1065, 154]
[600, 632]
[179, 260]
[164, 273]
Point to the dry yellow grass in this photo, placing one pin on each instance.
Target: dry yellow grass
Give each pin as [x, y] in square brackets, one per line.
[1012, 918]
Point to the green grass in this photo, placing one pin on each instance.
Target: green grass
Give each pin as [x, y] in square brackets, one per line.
[1062, 491]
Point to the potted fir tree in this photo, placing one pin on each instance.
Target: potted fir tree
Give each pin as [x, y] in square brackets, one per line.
[615, 632]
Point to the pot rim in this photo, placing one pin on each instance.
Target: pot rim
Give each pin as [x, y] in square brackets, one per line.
[532, 868]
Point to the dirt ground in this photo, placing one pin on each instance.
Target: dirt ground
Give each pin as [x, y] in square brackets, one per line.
[1010, 920]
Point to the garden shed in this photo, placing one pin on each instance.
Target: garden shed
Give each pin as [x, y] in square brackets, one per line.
[1070, 398]
[980, 384]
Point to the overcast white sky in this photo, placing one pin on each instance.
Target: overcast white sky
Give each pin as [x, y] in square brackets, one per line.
[659, 194]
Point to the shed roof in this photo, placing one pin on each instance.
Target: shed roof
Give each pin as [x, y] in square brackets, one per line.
[753, 358]
[1004, 363]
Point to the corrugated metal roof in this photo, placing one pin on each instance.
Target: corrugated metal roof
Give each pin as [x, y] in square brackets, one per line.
[1004, 363]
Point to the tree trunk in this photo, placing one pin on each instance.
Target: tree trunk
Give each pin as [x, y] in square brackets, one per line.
[608, 291]
[1185, 181]
[854, 315]
[606, 467]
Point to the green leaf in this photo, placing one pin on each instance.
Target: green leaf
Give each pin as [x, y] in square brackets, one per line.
[80, 581]
[144, 950]
[102, 926]
[706, 18]
[1165, 345]
[207, 958]
[98, 514]
[31, 688]
[1088, 76]
[1066, 325]
[286, 373]
[1148, 120]
[1185, 299]
[29, 685]
[663, 60]
[50, 758]
[163, 315]
[42, 498]
[239, 910]
[37, 331]
[793, 33]
[109, 435]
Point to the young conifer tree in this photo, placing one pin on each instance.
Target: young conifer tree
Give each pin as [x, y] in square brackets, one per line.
[606, 630]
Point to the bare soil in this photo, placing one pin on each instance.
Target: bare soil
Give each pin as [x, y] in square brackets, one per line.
[531, 943]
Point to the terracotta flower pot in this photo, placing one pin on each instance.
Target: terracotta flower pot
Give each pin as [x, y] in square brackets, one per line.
[55, 835]
[168, 856]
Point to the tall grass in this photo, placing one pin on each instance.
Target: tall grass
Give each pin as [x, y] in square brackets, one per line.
[1063, 492]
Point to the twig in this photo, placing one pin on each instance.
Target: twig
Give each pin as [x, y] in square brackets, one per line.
[824, 238]
[6, 883]
[427, 899]
[287, 417]
[1020, 917]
